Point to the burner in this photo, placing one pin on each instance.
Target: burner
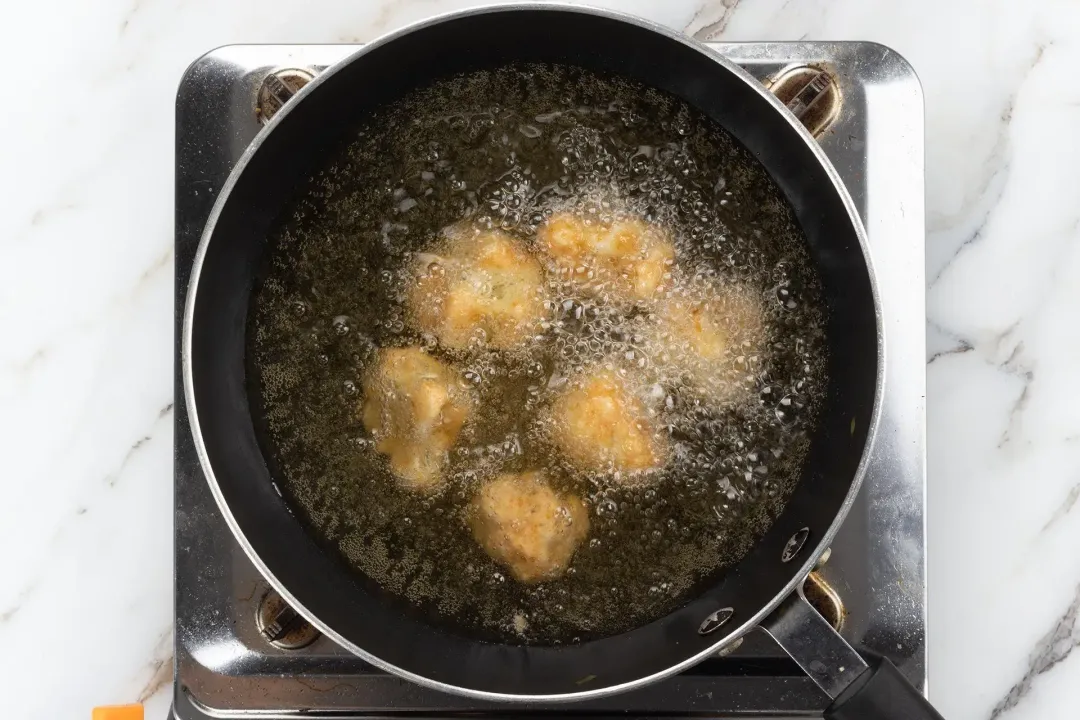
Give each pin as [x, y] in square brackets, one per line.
[241, 652]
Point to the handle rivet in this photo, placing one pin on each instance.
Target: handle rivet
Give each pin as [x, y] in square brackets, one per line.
[715, 620]
[794, 545]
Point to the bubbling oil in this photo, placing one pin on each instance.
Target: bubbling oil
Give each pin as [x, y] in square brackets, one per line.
[506, 149]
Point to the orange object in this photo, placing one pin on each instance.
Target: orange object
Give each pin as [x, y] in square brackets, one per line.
[118, 712]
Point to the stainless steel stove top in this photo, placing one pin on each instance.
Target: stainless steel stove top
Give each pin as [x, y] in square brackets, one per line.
[232, 644]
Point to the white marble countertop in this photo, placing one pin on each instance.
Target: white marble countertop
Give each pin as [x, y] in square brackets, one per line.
[86, 302]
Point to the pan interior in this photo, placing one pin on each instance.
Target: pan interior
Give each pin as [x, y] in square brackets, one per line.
[503, 147]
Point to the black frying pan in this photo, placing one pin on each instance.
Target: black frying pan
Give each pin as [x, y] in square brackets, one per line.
[761, 589]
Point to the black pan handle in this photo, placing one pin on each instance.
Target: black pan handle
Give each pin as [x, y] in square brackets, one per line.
[881, 692]
[860, 690]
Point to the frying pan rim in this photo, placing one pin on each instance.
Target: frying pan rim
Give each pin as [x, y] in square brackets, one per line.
[750, 622]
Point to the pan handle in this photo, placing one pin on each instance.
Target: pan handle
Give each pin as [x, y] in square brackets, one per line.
[860, 690]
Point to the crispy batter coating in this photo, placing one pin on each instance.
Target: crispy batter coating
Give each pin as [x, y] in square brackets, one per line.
[414, 406]
[526, 526]
[482, 290]
[601, 426]
[628, 259]
[707, 334]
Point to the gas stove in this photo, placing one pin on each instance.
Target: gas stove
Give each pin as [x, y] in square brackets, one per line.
[242, 653]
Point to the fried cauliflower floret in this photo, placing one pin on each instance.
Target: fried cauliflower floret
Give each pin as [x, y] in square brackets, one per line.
[630, 258]
[414, 406]
[708, 333]
[526, 526]
[601, 426]
[483, 289]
